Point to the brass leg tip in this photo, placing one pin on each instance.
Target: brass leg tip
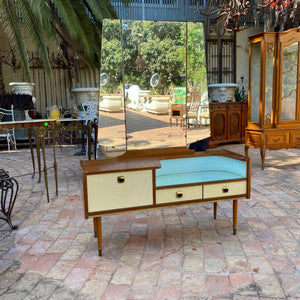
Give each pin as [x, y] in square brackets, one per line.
[234, 231]
[100, 251]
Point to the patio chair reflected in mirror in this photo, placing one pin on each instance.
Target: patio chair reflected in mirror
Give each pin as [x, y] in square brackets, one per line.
[193, 109]
[8, 116]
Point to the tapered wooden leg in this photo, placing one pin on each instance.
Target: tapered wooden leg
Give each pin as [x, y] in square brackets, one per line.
[262, 154]
[99, 234]
[215, 209]
[246, 150]
[95, 220]
[234, 213]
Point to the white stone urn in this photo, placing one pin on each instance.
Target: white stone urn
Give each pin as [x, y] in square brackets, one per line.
[111, 103]
[159, 104]
[222, 92]
[86, 94]
[23, 88]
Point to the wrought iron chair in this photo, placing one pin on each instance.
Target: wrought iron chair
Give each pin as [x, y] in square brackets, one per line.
[9, 134]
[92, 111]
[9, 188]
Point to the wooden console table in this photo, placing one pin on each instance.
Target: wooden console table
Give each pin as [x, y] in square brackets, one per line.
[158, 178]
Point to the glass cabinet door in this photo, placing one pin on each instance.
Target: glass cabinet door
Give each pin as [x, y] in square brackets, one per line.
[255, 82]
[268, 114]
[289, 82]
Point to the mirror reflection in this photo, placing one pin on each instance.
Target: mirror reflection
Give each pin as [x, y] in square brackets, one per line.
[154, 66]
[165, 89]
[198, 117]
[112, 132]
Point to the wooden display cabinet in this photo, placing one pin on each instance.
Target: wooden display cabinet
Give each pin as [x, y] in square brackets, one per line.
[228, 122]
[274, 94]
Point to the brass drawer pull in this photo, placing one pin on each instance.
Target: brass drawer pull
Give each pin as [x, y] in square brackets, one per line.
[276, 140]
[225, 189]
[121, 179]
[179, 194]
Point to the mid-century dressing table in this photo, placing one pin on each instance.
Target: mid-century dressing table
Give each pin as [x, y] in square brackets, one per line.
[155, 170]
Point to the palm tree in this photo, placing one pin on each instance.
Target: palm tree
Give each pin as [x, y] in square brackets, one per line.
[74, 25]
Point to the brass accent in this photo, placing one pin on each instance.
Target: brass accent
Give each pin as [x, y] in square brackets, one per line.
[121, 179]
[179, 194]
[276, 140]
[225, 189]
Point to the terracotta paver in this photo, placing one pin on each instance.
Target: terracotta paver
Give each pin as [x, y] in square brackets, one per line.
[175, 253]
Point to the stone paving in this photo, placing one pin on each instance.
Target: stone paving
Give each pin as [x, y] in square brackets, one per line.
[174, 253]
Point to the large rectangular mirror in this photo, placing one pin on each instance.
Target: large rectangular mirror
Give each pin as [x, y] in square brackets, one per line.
[112, 131]
[164, 83]
[198, 117]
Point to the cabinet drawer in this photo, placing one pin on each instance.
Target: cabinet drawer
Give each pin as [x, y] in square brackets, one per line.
[277, 138]
[217, 106]
[224, 189]
[295, 137]
[119, 190]
[178, 194]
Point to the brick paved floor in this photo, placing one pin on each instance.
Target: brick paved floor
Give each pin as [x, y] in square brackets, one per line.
[175, 253]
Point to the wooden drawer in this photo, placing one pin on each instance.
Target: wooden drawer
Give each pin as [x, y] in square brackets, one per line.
[253, 138]
[235, 105]
[277, 138]
[225, 189]
[119, 190]
[295, 137]
[217, 106]
[178, 194]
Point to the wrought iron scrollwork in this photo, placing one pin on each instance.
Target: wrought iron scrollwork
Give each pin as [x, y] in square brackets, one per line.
[9, 188]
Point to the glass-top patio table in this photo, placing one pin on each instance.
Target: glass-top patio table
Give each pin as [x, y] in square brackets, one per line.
[42, 126]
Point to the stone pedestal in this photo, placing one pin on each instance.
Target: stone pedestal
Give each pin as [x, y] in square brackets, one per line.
[24, 88]
[111, 103]
[222, 92]
[158, 104]
[86, 94]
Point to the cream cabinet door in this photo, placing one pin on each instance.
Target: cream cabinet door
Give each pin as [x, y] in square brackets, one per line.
[119, 190]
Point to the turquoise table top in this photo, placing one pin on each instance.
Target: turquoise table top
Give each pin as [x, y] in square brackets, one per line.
[199, 169]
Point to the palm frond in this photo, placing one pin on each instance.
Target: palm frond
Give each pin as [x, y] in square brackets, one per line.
[34, 25]
[65, 12]
[8, 10]
[100, 9]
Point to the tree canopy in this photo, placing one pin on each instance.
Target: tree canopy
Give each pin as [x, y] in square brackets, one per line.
[75, 25]
[154, 47]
